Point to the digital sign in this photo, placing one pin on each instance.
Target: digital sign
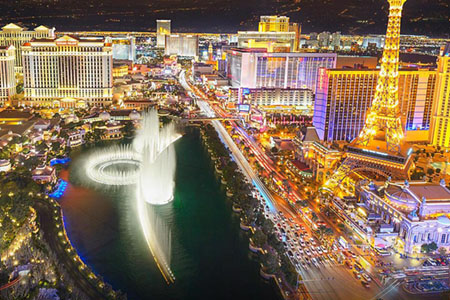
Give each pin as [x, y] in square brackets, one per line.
[244, 108]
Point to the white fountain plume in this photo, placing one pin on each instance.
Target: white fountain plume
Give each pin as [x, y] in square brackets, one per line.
[153, 156]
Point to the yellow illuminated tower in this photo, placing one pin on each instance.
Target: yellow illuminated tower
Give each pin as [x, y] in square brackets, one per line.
[380, 150]
[384, 115]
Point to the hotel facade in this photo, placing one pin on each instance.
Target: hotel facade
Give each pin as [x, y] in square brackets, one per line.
[343, 97]
[417, 213]
[256, 68]
[441, 111]
[15, 35]
[7, 74]
[181, 45]
[67, 72]
[274, 98]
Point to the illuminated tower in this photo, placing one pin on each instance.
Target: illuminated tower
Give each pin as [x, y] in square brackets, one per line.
[379, 149]
[210, 52]
[162, 29]
[384, 115]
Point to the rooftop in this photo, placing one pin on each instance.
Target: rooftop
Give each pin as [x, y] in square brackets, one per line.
[14, 114]
[431, 191]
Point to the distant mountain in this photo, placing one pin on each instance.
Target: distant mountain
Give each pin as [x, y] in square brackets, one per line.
[429, 17]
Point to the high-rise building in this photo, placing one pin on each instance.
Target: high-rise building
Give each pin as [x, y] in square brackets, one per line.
[336, 40]
[272, 41]
[253, 68]
[377, 40]
[273, 24]
[15, 35]
[162, 29]
[441, 109]
[7, 74]
[181, 45]
[275, 34]
[324, 39]
[343, 97]
[380, 148]
[67, 72]
[123, 47]
[273, 97]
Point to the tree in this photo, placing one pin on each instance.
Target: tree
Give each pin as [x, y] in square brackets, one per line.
[56, 147]
[427, 248]
[430, 171]
[259, 238]
[432, 247]
[442, 251]
[42, 146]
[271, 262]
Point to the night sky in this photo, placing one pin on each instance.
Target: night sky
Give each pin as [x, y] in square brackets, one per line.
[430, 17]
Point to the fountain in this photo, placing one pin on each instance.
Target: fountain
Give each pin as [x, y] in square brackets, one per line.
[151, 166]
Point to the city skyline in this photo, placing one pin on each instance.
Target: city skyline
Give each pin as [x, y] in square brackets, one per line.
[427, 17]
[262, 164]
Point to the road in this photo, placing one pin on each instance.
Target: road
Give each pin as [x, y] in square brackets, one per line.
[235, 152]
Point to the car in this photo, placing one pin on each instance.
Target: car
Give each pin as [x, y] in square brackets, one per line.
[290, 253]
[312, 241]
[352, 254]
[302, 243]
[357, 275]
[319, 250]
[307, 252]
[358, 267]
[300, 250]
[365, 284]
[366, 277]
[324, 249]
[348, 264]
[315, 262]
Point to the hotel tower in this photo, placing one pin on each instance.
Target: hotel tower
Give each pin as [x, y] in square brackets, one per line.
[67, 72]
[16, 35]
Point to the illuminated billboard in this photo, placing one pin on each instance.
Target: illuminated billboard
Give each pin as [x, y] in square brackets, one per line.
[245, 108]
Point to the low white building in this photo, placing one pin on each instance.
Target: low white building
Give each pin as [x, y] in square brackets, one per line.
[75, 138]
[5, 165]
[418, 211]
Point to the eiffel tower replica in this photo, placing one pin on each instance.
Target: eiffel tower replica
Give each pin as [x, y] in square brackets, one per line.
[380, 147]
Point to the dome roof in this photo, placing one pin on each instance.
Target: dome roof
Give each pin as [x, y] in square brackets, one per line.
[400, 195]
[134, 115]
[104, 116]
[94, 109]
[71, 118]
[444, 220]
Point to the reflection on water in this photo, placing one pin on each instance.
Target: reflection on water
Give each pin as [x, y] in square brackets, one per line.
[210, 256]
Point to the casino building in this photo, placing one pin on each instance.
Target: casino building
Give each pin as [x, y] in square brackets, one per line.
[417, 211]
[343, 97]
[67, 72]
[7, 74]
[16, 35]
